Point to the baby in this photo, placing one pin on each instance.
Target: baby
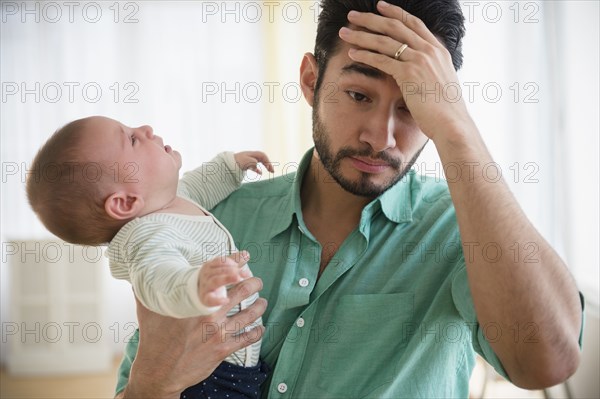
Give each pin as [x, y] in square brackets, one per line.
[97, 181]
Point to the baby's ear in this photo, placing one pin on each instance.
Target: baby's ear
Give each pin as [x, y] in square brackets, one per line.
[122, 206]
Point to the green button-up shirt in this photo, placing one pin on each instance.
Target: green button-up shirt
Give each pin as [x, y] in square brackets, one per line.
[390, 317]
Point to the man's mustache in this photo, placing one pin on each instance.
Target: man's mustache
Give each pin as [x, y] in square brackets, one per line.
[345, 152]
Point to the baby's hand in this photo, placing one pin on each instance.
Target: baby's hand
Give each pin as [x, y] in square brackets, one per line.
[218, 273]
[250, 159]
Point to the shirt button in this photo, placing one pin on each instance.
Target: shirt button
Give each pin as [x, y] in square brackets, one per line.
[282, 388]
[300, 322]
[303, 282]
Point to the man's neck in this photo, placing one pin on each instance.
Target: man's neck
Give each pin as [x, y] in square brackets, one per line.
[324, 200]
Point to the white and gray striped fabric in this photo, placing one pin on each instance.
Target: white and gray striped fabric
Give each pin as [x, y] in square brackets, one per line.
[161, 254]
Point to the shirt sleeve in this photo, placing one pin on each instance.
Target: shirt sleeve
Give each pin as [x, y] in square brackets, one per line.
[162, 278]
[212, 181]
[126, 362]
[461, 294]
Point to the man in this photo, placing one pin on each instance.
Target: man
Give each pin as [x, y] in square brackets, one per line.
[380, 283]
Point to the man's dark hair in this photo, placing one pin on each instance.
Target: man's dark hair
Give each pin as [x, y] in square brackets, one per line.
[444, 19]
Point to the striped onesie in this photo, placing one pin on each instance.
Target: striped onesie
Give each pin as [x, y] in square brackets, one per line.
[161, 254]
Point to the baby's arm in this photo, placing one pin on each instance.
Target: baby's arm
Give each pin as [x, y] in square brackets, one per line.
[213, 181]
[153, 259]
[175, 291]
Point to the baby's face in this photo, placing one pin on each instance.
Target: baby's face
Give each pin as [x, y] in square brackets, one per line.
[137, 160]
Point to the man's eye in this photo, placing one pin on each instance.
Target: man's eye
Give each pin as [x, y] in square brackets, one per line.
[358, 97]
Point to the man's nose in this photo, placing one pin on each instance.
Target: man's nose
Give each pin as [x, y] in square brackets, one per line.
[379, 131]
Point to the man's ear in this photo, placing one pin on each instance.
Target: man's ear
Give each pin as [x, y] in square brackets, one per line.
[308, 77]
[122, 206]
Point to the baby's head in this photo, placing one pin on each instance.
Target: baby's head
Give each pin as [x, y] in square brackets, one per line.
[95, 174]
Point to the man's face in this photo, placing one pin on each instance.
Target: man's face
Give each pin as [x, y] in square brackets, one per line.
[363, 133]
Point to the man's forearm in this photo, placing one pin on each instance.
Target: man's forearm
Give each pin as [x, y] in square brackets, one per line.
[174, 354]
[517, 280]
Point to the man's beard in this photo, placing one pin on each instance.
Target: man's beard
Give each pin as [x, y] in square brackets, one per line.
[363, 187]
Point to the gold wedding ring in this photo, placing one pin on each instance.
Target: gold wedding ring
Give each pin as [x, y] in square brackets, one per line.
[400, 51]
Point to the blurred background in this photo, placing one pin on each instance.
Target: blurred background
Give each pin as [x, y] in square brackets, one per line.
[223, 75]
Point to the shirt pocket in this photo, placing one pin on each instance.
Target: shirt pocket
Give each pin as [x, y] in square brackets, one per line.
[362, 355]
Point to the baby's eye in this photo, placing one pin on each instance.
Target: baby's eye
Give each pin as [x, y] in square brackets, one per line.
[404, 108]
[133, 139]
[358, 97]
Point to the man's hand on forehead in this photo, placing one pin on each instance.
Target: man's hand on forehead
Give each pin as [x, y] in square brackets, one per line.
[399, 44]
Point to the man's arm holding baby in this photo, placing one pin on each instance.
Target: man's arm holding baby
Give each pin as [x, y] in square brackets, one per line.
[196, 345]
[213, 181]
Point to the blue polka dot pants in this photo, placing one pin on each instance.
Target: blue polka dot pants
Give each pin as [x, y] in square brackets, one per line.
[230, 381]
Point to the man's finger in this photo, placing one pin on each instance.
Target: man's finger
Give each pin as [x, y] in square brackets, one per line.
[391, 27]
[246, 317]
[246, 338]
[241, 291]
[414, 23]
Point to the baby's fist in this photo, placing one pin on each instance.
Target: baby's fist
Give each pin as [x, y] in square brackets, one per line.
[249, 160]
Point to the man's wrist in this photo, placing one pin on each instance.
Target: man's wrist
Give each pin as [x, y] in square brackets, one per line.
[143, 385]
[132, 392]
[460, 144]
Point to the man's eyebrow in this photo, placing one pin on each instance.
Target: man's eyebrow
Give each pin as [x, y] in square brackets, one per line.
[363, 69]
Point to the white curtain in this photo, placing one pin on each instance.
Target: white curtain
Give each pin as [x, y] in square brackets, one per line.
[210, 76]
[186, 68]
[534, 69]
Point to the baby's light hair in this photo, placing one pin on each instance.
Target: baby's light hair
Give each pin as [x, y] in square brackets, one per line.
[65, 190]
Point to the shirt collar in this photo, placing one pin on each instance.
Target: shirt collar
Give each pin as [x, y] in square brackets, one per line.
[290, 204]
[396, 202]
